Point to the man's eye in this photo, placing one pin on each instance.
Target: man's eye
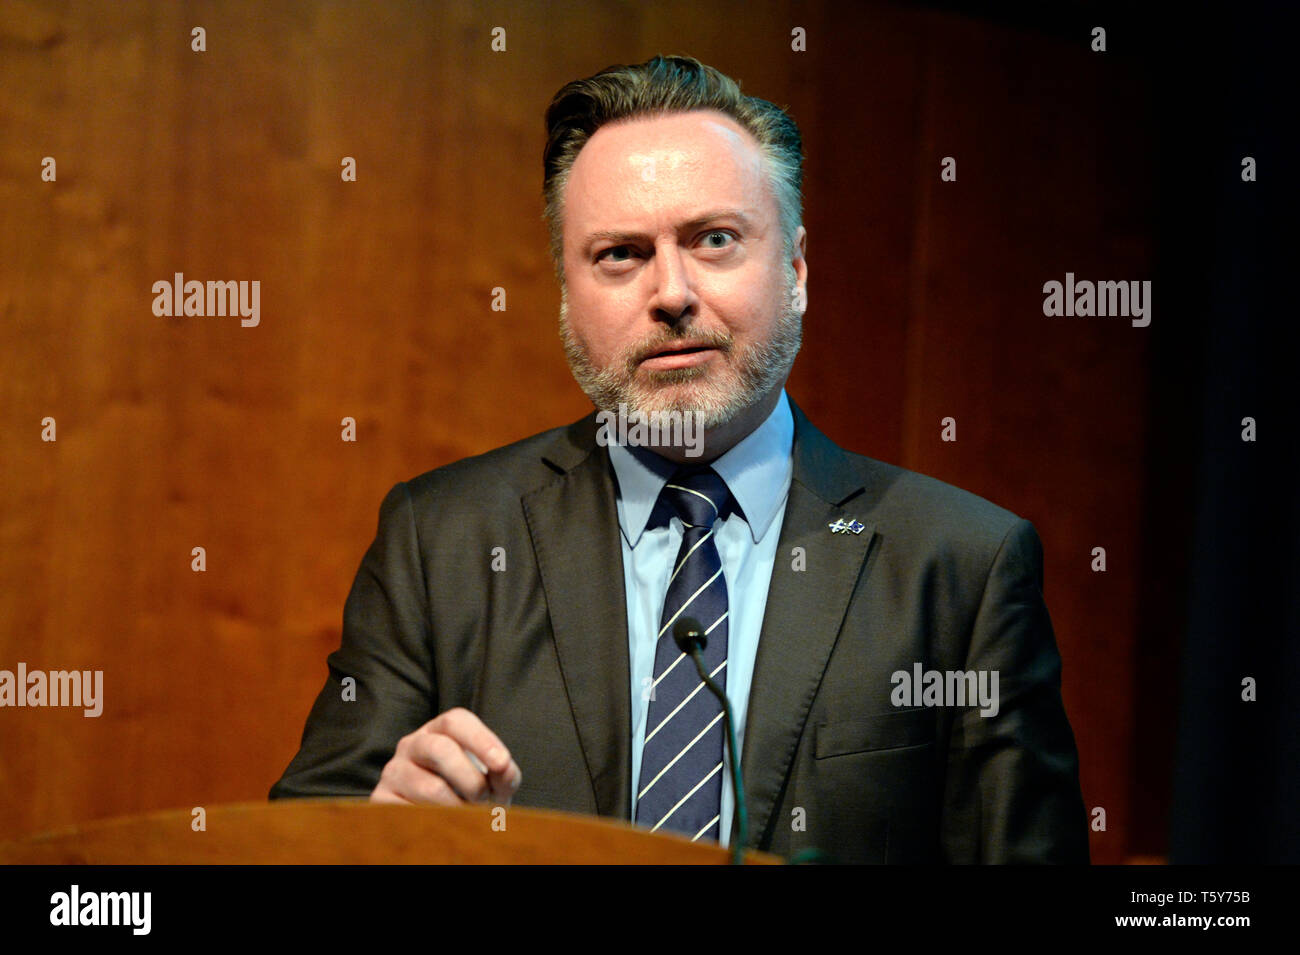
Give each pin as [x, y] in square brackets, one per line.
[719, 234]
[613, 249]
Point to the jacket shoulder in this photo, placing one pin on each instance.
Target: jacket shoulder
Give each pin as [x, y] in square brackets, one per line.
[511, 470]
[903, 504]
[910, 507]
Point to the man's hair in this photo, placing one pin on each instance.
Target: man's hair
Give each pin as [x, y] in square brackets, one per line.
[661, 85]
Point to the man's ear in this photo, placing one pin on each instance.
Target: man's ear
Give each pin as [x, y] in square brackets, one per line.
[799, 262]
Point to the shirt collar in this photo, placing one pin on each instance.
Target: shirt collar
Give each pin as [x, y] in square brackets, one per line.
[757, 471]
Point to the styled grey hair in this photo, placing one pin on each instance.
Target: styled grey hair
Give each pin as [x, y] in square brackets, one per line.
[665, 84]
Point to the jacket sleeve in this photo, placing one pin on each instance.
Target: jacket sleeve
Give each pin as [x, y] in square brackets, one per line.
[380, 684]
[1012, 790]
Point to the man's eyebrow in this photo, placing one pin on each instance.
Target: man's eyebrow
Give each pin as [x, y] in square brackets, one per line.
[617, 236]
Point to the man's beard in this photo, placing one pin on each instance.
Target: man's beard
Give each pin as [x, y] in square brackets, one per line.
[735, 380]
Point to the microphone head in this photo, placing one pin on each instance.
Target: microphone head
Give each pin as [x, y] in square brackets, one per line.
[689, 634]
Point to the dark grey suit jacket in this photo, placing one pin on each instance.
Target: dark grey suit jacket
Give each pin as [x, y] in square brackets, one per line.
[539, 651]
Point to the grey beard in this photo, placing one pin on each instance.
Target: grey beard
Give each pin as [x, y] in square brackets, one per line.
[757, 370]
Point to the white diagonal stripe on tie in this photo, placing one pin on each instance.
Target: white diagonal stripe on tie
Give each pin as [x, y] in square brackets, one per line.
[683, 561]
[703, 587]
[667, 670]
[689, 696]
[705, 829]
[684, 751]
[686, 797]
[681, 656]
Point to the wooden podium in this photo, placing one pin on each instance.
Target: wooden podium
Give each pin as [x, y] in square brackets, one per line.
[355, 832]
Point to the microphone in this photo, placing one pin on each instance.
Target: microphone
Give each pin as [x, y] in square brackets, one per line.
[691, 639]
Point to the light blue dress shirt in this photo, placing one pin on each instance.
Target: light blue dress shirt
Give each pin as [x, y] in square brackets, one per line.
[758, 472]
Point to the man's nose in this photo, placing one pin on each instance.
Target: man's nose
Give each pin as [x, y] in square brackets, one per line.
[675, 297]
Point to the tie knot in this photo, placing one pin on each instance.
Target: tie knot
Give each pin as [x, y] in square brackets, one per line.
[697, 495]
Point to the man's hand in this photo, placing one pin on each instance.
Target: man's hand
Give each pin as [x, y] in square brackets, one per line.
[437, 764]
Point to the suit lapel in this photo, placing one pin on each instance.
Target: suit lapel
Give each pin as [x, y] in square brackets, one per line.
[805, 609]
[574, 528]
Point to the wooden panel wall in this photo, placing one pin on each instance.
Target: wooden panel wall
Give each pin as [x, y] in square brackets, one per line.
[925, 302]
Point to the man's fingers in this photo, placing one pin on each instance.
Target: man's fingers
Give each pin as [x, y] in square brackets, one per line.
[504, 784]
[443, 756]
[484, 749]
[500, 786]
[450, 760]
[413, 783]
[382, 794]
[468, 730]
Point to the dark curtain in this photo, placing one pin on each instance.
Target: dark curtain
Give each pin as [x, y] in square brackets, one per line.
[1230, 256]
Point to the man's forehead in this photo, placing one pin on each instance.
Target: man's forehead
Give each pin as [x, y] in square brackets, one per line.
[681, 164]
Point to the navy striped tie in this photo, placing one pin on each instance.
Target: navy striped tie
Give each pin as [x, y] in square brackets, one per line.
[682, 766]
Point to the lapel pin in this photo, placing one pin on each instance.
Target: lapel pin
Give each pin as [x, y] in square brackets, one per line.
[842, 526]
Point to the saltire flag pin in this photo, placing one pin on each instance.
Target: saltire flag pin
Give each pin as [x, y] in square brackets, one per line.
[842, 526]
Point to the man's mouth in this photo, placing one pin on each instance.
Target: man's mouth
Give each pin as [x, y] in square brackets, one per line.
[679, 355]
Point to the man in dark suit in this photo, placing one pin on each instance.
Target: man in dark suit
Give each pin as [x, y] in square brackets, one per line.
[882, 635]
